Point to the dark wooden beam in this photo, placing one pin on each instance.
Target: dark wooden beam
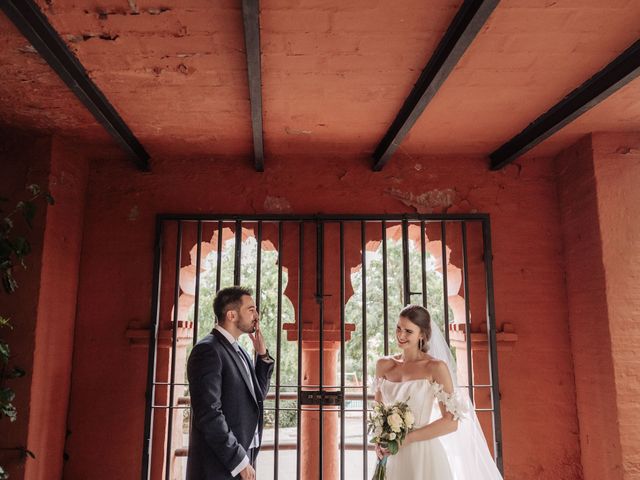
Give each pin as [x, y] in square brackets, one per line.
[34, 25]
[464, 28]
[251, 18]
[610, 79]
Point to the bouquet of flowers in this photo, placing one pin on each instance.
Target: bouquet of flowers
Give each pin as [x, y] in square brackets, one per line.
[389, 425]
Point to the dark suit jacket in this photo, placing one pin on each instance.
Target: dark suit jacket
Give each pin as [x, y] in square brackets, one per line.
[225, 413]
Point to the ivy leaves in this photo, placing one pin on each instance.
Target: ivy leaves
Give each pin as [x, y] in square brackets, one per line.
[14, 248]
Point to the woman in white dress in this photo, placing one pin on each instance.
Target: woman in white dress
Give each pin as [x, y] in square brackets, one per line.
[446, 442]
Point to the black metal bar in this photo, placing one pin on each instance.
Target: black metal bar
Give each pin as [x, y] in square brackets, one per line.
[406, 274]
[237, 258]
[363, 246]
[342, 350]
[194, 217]
[493, 344]
[145, 473]
[219, 257]
[174, 345]
[467, 310]
[33, 24]
[259, 264]
[385, 290]
[251, 21]
[320, 300]
[607, 81]
[276, 436]
[445, 282]
[423, 257]
[196, 303]
[300, 321]
[470, 18]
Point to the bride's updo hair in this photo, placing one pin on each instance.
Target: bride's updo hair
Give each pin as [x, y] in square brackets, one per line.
[419, 316]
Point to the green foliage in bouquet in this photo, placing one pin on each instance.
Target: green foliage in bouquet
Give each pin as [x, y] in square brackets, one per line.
[389, 425]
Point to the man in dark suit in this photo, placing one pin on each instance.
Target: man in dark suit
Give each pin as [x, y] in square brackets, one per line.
[227, 392]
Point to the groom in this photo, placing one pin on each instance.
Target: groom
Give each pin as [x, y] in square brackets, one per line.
[227, 392]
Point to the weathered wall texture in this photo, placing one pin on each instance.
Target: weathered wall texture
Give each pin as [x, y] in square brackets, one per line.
[52, 356]
[23, 161]
[43, 308]
[107, 404]
[597, 183]
[617, 171]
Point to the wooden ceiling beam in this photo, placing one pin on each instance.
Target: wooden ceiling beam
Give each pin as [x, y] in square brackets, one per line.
[251, 19]
[462, 31]
[610, 79]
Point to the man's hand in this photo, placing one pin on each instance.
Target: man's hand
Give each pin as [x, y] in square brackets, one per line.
[248, 473]
[258, 340]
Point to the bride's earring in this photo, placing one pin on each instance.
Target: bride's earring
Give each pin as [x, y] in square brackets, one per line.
[420, 344]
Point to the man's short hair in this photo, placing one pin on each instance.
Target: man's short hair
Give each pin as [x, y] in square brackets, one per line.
[229, 298]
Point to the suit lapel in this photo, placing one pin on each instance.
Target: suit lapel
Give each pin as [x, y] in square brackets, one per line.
[238, 362]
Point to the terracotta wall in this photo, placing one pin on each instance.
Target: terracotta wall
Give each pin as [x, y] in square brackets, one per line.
[43, 309]
[107, 405]
[597, 181]
[23, 160]
[56, 312]
[617, 171]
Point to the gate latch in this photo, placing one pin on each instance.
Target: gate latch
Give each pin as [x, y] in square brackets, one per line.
[317, 397]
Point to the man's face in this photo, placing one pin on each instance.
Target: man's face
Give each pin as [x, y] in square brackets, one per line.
[247, 317]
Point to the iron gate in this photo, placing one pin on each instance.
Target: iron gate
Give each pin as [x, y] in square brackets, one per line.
[346, 279]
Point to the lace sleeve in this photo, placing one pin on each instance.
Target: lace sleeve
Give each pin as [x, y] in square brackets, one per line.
[452, 402]
[375, 384]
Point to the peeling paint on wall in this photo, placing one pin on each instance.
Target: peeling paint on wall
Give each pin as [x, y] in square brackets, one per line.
[427, 202]
[277, 205]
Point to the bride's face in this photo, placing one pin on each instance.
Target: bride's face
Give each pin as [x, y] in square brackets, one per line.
[407, 334]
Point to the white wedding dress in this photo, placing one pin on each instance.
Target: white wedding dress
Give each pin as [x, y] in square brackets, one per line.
[425, 460]
[461, 455]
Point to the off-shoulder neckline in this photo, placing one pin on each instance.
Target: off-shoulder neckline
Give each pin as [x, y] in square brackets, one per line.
[428, 380]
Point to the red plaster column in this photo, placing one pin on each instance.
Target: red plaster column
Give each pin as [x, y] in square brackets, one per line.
[598, 195]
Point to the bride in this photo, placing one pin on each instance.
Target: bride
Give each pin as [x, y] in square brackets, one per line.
[446, 442]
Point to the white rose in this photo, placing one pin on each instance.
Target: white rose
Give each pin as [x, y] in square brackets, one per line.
[409, 420]
[378, 431]
[392, 436]
[395, 422]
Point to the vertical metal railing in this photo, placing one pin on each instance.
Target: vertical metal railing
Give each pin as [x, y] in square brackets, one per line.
[445, 280]
[423, 261]
[237, 257]
[196, 301]
[493, 344]
[320, 301]
[150, 393]
[219, 257]
[411, 247]
[467, 310]
[276, 434]
[342, 352]
[300, 322]
[385, 290]
[406, 272]
[365, 396]
[174, 343]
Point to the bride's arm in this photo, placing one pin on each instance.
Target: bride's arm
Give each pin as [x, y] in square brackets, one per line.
[380, 371]
[441, 426]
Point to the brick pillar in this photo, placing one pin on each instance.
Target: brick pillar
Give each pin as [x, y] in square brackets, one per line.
[599, 201]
